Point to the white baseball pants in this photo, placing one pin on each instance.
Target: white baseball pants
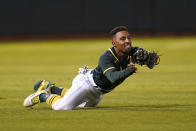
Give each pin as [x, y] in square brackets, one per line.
[82, 93]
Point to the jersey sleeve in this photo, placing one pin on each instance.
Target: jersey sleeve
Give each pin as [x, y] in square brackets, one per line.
[106, 63]
[115, 75]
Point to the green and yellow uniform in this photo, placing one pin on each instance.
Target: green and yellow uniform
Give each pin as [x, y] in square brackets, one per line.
[112, 69]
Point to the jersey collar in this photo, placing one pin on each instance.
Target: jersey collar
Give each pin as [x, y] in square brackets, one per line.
[112, 51]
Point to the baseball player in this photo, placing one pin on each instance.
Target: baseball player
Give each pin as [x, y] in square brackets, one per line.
[90, 85]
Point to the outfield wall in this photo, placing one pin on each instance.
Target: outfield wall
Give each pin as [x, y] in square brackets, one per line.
[19, 17]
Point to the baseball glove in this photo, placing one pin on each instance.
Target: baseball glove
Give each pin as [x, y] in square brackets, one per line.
[143, 57]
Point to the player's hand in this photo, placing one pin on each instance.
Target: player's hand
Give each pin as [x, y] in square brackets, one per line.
[132, 66]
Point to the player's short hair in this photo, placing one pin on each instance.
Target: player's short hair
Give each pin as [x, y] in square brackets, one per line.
[118, 29]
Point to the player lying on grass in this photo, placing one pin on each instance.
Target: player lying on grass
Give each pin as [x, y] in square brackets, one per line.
[90, 85]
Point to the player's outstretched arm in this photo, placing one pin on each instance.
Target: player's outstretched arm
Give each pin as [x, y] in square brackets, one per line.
[115, 75]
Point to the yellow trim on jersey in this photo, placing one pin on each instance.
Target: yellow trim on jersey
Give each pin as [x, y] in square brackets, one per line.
[128, 57]
[113, 54]
[108, 69]
[114, 61]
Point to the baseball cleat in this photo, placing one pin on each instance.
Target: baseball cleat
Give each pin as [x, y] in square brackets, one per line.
[43, 85]
[33, 99]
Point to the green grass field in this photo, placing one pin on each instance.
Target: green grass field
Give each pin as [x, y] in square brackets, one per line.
[162, 99]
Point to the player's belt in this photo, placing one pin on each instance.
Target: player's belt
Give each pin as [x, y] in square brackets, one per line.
[101, 90]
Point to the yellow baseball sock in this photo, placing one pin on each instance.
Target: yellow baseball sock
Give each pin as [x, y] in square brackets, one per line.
[64, 91]
[52, 99]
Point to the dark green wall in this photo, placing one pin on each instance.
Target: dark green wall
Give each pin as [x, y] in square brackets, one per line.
[95, 16]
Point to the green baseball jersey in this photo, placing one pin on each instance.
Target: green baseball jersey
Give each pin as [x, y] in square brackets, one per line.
[112, 69]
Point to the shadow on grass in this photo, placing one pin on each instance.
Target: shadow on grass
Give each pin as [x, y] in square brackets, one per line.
[2, 98]
[174, 107]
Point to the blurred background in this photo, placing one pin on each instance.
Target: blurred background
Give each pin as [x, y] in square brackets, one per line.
[61, 18]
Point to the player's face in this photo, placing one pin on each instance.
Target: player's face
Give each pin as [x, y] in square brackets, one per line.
[122, 41]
